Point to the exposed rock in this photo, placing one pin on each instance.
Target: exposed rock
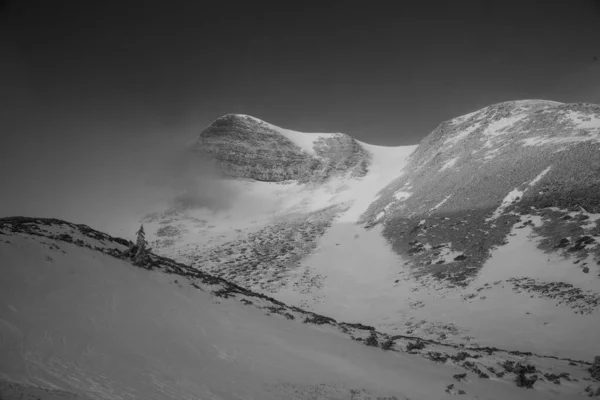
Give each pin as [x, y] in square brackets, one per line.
[246, 147]
[460, 377]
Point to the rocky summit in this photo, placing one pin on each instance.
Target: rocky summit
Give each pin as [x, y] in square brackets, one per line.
[247, 147]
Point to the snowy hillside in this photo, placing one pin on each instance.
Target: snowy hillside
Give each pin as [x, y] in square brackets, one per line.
[78, 320]
[491, 223]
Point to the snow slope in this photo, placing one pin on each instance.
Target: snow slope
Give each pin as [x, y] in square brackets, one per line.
[77, 321]
[361, 279]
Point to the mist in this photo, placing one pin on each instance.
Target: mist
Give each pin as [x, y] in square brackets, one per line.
[106, 171]
[195, 182]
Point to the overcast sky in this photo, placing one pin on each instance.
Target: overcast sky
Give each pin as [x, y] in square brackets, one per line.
[95, 95]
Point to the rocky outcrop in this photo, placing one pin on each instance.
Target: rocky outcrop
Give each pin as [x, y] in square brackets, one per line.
[246, 147]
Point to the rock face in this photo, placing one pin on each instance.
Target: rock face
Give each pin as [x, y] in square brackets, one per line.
[246, 147]
[475, 176]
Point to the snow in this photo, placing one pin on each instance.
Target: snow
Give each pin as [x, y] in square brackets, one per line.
[441, 203]
[463, 134]
[449, 164]
[584, 121]
[447, 255]
[491, 154]
[540, 176]
[361, 279]
[537, 102]
[305, 141]
[261, 200]
[97, 326]
[512, 196]
[520, 106]
[493, 133]
[591, 217]
[544, 140]
[588, 131]
[386, 164]
[364, 280]
[401, 195]
[500, 127]
[357, 274]
[502, 317]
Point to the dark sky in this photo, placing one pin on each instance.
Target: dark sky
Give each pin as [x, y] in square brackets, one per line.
[94, 95]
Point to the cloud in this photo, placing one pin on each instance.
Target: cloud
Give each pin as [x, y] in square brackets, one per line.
[195, 182]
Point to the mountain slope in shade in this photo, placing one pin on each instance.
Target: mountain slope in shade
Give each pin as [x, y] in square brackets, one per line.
[79, 321]
[485, 234]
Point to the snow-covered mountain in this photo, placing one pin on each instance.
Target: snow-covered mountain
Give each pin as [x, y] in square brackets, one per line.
[491, 222]
[79, 321]
[470, 180]
[483, 237]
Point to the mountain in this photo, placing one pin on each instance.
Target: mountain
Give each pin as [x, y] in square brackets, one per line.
[476, 176]
[474, 252]
[250, 148]
[486, 233]
[79, 321]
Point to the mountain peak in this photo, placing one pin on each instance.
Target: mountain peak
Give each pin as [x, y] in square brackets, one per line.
[247, 147]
